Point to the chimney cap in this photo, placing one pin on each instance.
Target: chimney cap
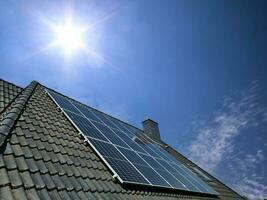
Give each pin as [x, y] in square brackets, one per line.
[149, 120]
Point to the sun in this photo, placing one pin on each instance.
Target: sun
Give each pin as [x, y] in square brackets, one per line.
[75, 38]
[69, 37]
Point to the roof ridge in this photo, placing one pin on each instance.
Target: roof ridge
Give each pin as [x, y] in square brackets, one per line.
[13, 111]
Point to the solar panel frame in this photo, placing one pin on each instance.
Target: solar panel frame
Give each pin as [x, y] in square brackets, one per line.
[127, 127]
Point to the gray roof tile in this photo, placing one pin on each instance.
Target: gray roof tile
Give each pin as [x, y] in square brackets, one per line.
[4, 177]
[2, 164]
[6, 193]
[59, 169]
[84, 185]
[27, 152]
[75, 183]
[82, 195]
[22, 140]
[68, 184]
[67, 170]
[26, 179]
[17, 150]
[2, 139]
[4, 129]
[42, 167]
[49, 184]
[8, 149]
[15, 179]
[32, 165]
[54, 195]
[51, 167]
[10, 162]
[45, 156]
[73, 195]
[64, 195]
[36, 153]
[37, 180]
[14, 139]
[58, 182]
[32, 194]
[91, 185]
[43, 194]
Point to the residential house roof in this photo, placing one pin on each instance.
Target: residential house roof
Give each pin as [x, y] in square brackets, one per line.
[44, 157]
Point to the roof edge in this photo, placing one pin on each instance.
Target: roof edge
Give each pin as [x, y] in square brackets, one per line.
[13, 111]
[169, 148]
[1, 79]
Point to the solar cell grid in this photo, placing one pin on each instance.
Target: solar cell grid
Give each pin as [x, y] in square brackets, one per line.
[203, 186]
[91, 132]
[77, 118]
[129, 141]
[126, 171]
[87, 112]
[196, 181]
[63, 102]
[119, 125]
[104, 119]
[164, 154]
[172, 180]
[110, 135]
[150, 151]
[151, 161]
[189, 185]
[107, 149]
[133, 158]
[126, 130]
[152, 176]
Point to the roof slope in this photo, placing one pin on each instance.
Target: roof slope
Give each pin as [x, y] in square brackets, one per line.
[43, 157]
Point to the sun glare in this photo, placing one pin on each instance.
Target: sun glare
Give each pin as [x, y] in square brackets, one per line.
[69, 37]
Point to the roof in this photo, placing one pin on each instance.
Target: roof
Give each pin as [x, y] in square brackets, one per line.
[44, 157]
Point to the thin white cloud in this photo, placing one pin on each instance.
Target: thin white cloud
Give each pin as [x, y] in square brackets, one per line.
[215, 140]
[250, 180]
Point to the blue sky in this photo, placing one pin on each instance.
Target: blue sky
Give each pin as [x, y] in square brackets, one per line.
[196, 67]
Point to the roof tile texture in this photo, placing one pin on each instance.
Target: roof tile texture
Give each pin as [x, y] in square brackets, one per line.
[8, 92]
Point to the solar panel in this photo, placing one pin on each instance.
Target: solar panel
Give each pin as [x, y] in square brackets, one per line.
[104, 119]
[63, 102]
[113, 138]
[153, 177]
[133, 158]
[87, 112]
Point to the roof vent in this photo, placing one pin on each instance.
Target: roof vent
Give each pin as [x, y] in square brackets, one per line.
[151, 128]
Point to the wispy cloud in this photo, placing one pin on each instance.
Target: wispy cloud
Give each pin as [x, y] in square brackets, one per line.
[215, 140]
[250, 179]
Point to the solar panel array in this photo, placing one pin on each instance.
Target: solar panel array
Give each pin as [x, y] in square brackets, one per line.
[133, 158]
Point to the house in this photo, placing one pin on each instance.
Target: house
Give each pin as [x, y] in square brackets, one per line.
[44, 155]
